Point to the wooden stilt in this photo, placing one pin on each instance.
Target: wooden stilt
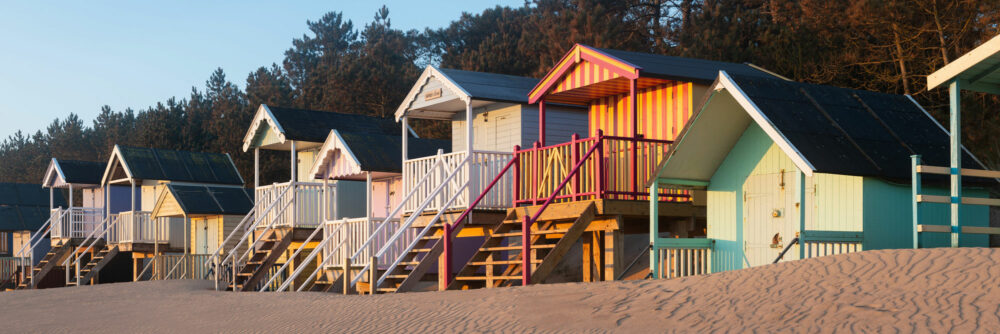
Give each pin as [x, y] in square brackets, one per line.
[613, 258]
[588, 264]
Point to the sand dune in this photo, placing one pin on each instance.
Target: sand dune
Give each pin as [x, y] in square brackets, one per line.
[875, 291]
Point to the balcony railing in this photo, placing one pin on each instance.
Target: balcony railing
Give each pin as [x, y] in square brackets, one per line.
[138, 227]
[75, 222]
[674, 258]
[305, 207]
[619, 170]
[350, 234]
[481, 170]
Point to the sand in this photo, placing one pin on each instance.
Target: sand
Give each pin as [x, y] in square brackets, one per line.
[875, 291]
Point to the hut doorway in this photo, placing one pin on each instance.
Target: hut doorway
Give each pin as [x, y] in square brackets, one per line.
[206, 239]
[769, 217]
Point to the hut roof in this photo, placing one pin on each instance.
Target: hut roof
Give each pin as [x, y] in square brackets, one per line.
[25, 206]
[313, 125]
[491, 86]
[821, 128]
[61, 172]
[681, 68]
[142, 163]
[211, 200]
[374, 153]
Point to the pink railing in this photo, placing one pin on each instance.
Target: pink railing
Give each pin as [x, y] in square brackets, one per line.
[619, 170]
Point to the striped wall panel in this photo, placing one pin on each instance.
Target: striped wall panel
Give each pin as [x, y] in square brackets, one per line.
[663, 112]
[585, 73]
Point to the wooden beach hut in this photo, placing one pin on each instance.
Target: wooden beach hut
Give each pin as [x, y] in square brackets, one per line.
[288, 215]
[977, 72]
[130, 235]
[24, 220]
[795, 170]
[375, 160]
[589, 189]
[489, 114]
[210, 213]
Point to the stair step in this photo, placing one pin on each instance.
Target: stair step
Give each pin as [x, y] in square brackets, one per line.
[518, 234]
[507, 262]
[410, 263]
[397, 276]
[387, 289]
[244, 274]
[483, 278]
[431, 237]
[420, 250]
[518, 247]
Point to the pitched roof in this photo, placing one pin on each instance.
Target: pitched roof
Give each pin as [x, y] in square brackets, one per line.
[681, 68]
[314, 125]
[821, 128]
[373, 152]
[211, 200]
[492, 86]
[25, 206]
[80, 172]
[182, 166]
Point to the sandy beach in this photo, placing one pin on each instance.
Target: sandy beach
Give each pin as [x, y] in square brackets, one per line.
[874, 291]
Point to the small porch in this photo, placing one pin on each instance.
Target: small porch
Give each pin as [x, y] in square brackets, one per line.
[138, 231]
[426, 174]
[294, 204]
[75, 222]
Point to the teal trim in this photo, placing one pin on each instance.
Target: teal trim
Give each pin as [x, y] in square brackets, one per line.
[955, 97]
[916, 184]
[680, 182]
[654, 227]
[703, 243]
[831, 236]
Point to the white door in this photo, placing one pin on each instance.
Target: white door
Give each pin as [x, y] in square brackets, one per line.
[770, 217]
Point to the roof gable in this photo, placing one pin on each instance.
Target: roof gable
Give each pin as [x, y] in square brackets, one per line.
[204, 200]
[311, 125]
[440, 92]
[83, 173]
[346, 155]
[140, 163]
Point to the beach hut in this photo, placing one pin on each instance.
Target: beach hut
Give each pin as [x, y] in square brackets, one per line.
[489, 115]
[976, 71]
[588, 190]
[130, 235]
[288, 215]
[74, 223]
[24, 214]
[375, 160]
[795, 170]
[210, 212]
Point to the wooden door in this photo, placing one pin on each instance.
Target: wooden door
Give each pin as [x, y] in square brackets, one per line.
[769, 217]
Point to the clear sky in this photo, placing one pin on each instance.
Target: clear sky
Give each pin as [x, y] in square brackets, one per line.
[58, 57]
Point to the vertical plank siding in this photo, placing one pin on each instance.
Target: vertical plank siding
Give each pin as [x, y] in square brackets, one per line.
[663, 112]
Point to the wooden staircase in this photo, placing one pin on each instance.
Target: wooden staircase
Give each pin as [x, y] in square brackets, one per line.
[52, 259]
[95, 264]
[271, 245]
[411, 269]
[499, 261]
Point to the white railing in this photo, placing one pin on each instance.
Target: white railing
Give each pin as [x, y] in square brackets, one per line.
[684, 262]
[75, 222]
[481, 170]
[305, 203]
[27, 251]
[824, 248]
[353, 233]
[138, 227]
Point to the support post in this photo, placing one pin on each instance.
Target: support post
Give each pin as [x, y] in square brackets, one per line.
[915, 187]
[406, 148]
[654, 228]
[600, 165]
[295, 167]
[256, 167]
[517, 175]
[633, 157]
[445, 271]
[372, 276]
[541, 122]
[468, 127]
[526, 251]
[347, 273]
[955, 96]
[368, 195]
[535, 170]
[575, 152]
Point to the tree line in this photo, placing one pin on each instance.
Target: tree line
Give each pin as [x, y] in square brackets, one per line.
[881, 45]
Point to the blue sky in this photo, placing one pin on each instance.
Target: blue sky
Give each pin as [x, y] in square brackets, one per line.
[58, 57]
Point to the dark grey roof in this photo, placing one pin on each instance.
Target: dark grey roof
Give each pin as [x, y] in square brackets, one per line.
[314, 126]
[683, 69]
[81, 172]
[182, 166]
[25, 206]
[381, 153]
[22, 194]
[788, 105]
[212, 200]
[492, 86]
